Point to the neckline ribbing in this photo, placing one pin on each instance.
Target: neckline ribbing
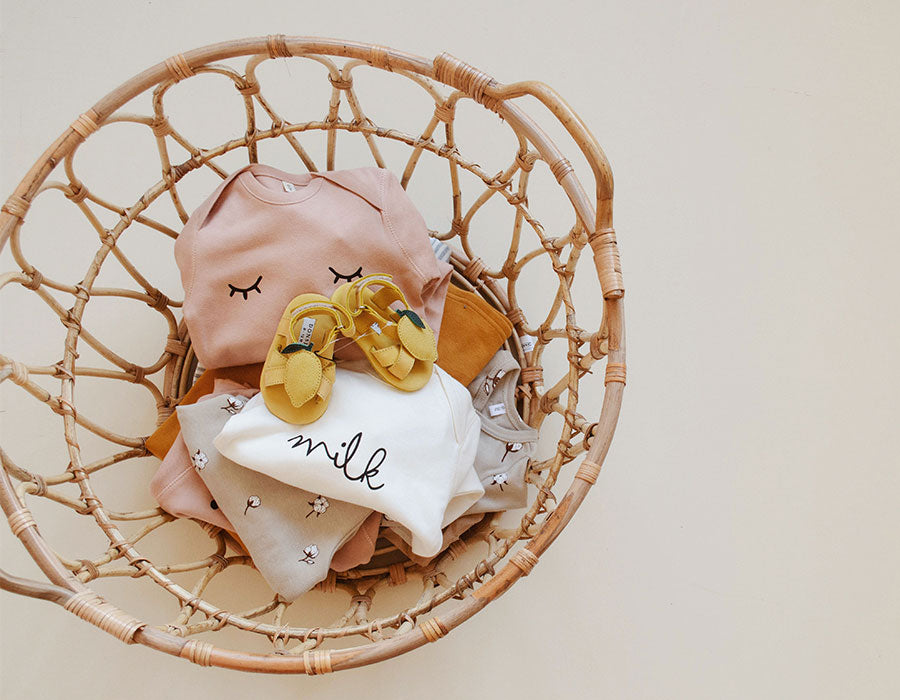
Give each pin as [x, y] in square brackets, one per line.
[307, 184]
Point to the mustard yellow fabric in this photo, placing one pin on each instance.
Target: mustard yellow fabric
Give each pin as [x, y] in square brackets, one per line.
[471, 332]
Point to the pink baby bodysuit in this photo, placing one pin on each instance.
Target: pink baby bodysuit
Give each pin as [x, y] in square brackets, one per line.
[264, 236]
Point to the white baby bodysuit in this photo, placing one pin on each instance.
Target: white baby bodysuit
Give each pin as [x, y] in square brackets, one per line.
[409, 455]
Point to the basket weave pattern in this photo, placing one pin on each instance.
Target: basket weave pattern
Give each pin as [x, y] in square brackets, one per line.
[442, 602]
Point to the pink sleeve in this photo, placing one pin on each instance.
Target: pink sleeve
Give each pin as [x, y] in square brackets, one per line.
[411, 234]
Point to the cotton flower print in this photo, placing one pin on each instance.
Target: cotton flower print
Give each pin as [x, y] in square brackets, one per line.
[319, 506]
[500, 479]
[309, 554]
[253, 502]
[491, 381]
[233, 404]
[512, 447]
[199, 460]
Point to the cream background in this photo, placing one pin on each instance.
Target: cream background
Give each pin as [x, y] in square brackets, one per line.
[742, 541]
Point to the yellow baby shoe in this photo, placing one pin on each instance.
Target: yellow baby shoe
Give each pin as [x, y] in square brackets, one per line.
[397, 341]
[298, 374]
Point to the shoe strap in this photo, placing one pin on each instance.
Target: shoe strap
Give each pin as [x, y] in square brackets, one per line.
[336, 311]
[339, 313]
[382, 280]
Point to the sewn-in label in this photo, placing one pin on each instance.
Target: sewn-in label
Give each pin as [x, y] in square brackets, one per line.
[375, 327]
[306, 331]
[288, 186]
[496, 409]
[527, 342]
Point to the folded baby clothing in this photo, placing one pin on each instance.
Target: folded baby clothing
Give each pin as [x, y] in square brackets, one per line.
[179, 490]
[473, 330]
[264, 236]
[290, 534]
[164, 436]
[358, 550]
[408, 455]
[176, 485]
[400, 537]
[507, 442]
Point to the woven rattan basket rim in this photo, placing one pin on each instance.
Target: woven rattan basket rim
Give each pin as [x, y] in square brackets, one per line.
[594, 211]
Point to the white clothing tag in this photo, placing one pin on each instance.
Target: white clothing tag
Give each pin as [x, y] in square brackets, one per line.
[306, 331]
[496, 409]
[527, 342]
[375, 327]
[288, 186]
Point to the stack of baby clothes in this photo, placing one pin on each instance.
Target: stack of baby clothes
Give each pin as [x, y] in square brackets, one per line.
[416, 467]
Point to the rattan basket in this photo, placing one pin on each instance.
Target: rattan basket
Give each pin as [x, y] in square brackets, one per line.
[426, 601]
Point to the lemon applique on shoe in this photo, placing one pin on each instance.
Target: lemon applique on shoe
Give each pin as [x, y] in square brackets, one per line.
[299, 371]
[399, 344]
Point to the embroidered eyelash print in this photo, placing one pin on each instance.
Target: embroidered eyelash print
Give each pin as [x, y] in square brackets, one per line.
[246, 292]
[349, 278]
